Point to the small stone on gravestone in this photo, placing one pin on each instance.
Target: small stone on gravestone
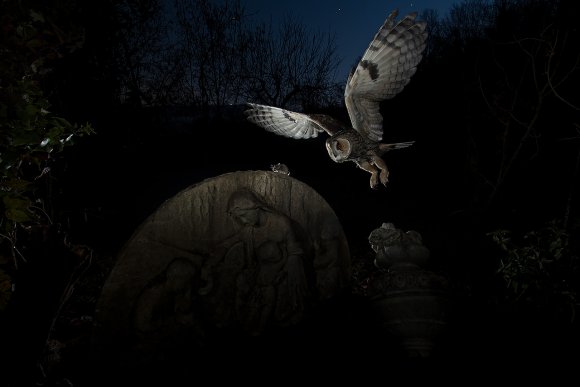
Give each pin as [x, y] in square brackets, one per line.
[245, 251]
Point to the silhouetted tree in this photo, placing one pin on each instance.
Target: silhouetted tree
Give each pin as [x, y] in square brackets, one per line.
[227, 59]
[147, 60]
[468, 20]
[435, 35]
[291, 66]
[509, 69]
[213, 41]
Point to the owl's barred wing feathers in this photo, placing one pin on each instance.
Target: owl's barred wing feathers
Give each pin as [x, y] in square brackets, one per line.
[290, 124]
[385, 68]
[282, 122]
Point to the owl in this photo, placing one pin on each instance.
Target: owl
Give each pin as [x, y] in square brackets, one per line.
[383, 71]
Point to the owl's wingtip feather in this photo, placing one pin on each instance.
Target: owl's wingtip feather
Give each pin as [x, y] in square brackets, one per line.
[252, 110]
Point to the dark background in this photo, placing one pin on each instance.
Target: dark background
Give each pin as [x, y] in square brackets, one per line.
[493, 109]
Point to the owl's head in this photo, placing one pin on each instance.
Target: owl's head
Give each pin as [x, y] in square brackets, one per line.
[338, 148]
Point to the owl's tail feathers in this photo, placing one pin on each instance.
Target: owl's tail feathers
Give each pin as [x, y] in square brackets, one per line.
[398, 145]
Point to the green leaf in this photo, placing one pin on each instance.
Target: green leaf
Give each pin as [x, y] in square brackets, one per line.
[26, 138]
[61, 122]
[17, 209]
[31, 111]
[55, 133]
[17, 184]
[36, 16]
[17, 215]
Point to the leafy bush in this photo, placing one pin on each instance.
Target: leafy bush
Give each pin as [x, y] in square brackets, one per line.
[540, 268]
[30, 135]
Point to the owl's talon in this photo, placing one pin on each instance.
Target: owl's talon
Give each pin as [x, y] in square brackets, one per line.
[374, 180]
[384, 177]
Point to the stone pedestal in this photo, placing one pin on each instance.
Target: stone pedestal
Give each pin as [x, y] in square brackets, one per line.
[413, 304]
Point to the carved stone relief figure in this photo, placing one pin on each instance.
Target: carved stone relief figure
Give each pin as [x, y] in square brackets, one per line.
[330, 275]
[237, 254]
[265, 261]
[165, 316]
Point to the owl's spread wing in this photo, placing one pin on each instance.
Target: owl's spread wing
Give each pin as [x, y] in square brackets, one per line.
[385, 68]
[290, 124]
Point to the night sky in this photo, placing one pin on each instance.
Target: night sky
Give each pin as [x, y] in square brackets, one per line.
[353, 23]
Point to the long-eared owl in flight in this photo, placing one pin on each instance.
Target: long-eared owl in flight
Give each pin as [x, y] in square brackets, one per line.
[385, 68]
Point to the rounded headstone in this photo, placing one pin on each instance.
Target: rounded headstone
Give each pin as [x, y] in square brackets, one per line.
[245, 252]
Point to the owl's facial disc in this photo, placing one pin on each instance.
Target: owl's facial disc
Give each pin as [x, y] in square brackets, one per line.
[338, 149]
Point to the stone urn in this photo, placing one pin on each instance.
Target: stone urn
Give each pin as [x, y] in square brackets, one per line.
[412, 304]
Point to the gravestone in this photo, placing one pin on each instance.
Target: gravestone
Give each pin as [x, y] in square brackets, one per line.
[244, 253]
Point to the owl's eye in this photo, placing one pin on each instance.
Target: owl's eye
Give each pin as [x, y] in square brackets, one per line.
[339, 146]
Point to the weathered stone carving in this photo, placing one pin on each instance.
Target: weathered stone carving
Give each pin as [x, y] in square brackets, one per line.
[393, 247]
[412, 303]
[164, 315]
[244, 252]
[261, 266]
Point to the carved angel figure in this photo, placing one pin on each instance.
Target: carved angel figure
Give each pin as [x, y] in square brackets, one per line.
[385, 68]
